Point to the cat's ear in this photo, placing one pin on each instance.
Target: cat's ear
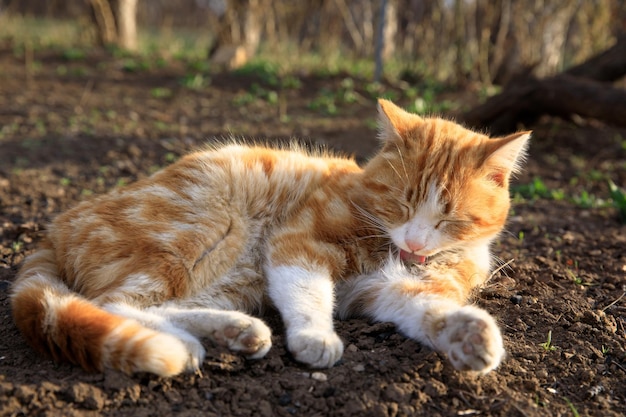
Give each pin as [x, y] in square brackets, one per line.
[505, 156]
[393, 121]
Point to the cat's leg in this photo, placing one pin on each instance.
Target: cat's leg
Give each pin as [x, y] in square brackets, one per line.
[236, 330]
[429, 311]
[305, 300]
[158, 322]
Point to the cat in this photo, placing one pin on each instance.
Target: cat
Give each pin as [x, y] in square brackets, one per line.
[134, 278]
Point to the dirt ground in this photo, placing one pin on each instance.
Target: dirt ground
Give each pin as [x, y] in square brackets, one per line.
[75, 126]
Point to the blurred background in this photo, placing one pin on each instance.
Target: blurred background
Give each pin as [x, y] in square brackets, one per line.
[453, 41]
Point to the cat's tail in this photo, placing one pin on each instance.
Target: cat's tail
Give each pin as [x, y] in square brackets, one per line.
[59, 323]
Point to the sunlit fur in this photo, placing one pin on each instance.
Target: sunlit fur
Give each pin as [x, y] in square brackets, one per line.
[132, 279]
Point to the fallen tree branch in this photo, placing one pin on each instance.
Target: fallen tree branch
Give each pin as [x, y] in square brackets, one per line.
[584, 90]
[563, 95]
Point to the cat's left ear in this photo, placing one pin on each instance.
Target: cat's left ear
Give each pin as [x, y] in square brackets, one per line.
[394, 122]
[505, 156]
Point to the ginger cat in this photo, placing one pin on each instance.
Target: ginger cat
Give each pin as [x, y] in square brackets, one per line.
[132, 279]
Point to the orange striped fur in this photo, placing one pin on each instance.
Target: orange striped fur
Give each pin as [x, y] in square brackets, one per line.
[134, 278]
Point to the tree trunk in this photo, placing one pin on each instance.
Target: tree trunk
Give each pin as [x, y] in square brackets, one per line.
[105, 22]
[126, 16]
[584, 90]
[116, 22]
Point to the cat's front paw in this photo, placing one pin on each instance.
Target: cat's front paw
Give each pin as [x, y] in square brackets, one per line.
[245, 334]
[472, 340]
[316, 348]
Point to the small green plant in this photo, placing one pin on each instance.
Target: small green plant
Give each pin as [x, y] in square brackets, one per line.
[584, 199]
[257, 92]
[134, 65]
[535, 190]
[195, 81]
[378, 90]
[265, 71]
[547, 345]
[618, 196]
[577, 280]
[161, 92]
[328, 100]
[571, 407]
[325, 102]
[17, 246]
[291, 83]
[200, 65]
[73, 54]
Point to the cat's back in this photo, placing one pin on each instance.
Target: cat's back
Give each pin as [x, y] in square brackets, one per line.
[274, 181]
[228, 194]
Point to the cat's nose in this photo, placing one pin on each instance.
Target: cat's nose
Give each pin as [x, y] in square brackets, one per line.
[414, 246]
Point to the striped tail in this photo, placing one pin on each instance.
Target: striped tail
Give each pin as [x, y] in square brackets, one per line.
[59, 323]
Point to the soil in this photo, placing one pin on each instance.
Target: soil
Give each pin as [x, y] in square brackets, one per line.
[71, 127]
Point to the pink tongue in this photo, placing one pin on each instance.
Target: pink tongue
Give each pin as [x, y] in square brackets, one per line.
[411, 257]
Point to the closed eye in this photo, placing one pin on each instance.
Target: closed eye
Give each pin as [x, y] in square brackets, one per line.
[406, 210]
[457, 222]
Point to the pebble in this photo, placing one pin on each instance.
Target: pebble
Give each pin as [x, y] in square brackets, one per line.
[319, 376]
[359, 368]
[516, 299]
[352, 348]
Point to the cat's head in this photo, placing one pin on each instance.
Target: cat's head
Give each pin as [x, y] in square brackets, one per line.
[436, 185]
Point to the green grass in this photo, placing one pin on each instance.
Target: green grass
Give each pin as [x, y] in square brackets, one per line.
[537, 189]
[571, 407]
[618, 196]
[547, 345]
[75, 37]
[273, 61]
[534, 190]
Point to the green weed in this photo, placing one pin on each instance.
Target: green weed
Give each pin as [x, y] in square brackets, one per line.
[547, 345]
[257, 92]
[329, 100]
[572, 407]
[265, 71]
[291, 83]
[195, 81]
[17, 246]
[532, 191]
[74, 54]
[325, 102]
[618, 195]
[161, 92]
[577, 280]
[135, 65]
[584, 199]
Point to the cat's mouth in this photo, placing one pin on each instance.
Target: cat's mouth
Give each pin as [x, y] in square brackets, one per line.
[412, 257]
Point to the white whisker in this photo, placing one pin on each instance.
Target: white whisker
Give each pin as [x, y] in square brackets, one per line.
[406, 174]
[396, 171]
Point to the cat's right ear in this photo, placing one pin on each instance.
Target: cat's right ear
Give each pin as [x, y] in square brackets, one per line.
[393, 121]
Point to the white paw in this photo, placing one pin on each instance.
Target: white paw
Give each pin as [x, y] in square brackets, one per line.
[316, 348]
[196, 352]
[242, 333]
[472, 340]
